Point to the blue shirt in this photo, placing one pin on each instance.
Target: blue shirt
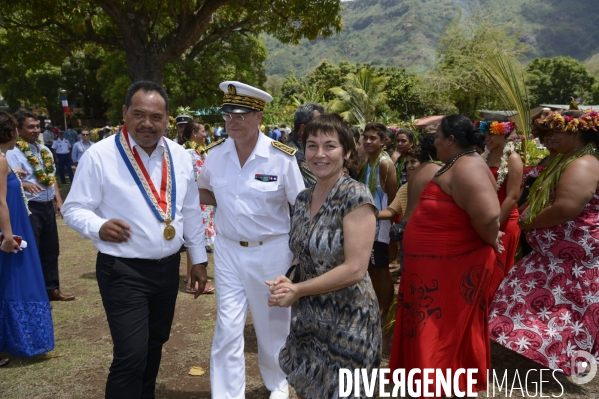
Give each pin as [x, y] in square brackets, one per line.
[16, 159]
[78, 149]
[71, 135]
[276, 134]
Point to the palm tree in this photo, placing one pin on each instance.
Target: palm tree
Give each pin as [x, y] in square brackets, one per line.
[310, 93]
[362, 94]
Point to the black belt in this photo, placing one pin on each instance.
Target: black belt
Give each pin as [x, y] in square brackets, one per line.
[155, 261]
[39, 203]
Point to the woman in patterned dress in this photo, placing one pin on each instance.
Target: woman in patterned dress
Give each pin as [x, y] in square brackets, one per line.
[333, 226]
[547, 308]
[194, 141]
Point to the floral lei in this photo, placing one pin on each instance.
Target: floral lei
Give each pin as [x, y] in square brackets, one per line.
[555, 120]
[192, 145]
[45, 175]
[503, 169]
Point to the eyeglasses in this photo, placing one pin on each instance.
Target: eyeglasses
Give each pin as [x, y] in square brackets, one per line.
[235, 117]
[85, 134]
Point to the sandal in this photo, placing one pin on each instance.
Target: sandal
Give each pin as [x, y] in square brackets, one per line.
[4, 362]
[208, 289]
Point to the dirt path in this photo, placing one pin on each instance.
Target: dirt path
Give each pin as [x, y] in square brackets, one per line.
[83, 340]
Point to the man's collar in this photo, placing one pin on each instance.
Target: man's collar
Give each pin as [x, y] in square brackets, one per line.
[261, 148]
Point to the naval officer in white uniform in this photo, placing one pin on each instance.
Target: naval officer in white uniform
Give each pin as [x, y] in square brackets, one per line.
[253, 180]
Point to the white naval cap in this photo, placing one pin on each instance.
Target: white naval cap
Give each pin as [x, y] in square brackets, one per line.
[241, 98]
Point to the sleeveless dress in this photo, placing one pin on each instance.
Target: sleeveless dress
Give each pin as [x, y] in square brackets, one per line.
[547, 307]
[26, 328]
[444, 292]
[381, 201]
[333, 330]
[505, 260]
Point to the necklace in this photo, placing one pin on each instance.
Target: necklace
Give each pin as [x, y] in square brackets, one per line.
[43, 172]
[450, 164]
[503, 169]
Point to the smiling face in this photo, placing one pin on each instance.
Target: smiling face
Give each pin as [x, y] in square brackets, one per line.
[30, 130]
[495, 141]
[411, 164]
[324, 154]
[146, 118]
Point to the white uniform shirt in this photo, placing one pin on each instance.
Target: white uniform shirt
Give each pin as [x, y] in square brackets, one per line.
[62, 146]
[104, 189]
[249, 209]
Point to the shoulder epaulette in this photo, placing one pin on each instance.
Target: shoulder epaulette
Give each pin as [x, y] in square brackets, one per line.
[282, 147]
[217, 142]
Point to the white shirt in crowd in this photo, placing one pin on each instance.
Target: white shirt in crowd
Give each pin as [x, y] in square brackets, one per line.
[61, 146]
[250, 209]
[104, 189]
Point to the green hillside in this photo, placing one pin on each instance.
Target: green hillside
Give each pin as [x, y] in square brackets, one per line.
[405, 33]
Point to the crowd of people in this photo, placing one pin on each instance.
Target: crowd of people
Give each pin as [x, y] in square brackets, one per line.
[305, 236]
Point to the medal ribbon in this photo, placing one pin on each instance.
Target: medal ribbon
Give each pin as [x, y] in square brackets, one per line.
[160, 203]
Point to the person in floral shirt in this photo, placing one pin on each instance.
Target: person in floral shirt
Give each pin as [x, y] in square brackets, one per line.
[194, 141]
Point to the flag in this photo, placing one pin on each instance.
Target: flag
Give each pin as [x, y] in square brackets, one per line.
[65, 104]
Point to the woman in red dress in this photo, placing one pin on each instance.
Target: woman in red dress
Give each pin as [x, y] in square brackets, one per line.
[506, 166]
[547, 307]
[450, 259]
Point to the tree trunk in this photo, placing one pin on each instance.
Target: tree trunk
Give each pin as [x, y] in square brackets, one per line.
[144, 64]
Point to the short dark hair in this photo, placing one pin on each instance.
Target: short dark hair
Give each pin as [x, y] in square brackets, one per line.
[460, 127]
[146, 86]
[377, 127]
[8, 127]
[192, 126]
[304, 114]
[22, 114]
[428, 151]
[407, 132]
[330, 124]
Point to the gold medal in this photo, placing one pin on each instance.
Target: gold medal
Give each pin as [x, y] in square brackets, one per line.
[169, 231]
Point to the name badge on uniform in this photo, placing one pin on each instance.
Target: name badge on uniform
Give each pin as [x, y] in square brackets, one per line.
[266, 178]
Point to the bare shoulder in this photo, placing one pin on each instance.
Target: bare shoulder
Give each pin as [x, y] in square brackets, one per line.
[470, 171]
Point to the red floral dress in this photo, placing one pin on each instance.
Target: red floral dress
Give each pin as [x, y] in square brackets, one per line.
[547, 307]
[207, 210]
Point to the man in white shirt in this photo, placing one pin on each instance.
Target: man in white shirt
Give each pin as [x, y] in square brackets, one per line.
[62, 150]
[81, 146]
[135, 196]
[254, 180]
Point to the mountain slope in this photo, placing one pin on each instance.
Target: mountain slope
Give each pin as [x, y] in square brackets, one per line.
[405, 33]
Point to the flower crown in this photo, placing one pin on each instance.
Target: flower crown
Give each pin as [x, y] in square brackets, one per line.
[555, 120]
[503, 128]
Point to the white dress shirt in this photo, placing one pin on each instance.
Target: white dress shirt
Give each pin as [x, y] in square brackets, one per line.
[249, 209]
[104, 189]
[62, 146]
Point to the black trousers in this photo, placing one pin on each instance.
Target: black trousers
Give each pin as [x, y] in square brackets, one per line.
[43, 222]
[139, 299]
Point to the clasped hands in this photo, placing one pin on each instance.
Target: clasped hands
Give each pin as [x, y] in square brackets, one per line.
[283, 292]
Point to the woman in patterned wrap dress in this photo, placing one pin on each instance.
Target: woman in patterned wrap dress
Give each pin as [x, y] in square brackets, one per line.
[333, 226]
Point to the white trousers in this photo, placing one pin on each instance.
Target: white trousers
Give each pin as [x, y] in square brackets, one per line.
[239, 275]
